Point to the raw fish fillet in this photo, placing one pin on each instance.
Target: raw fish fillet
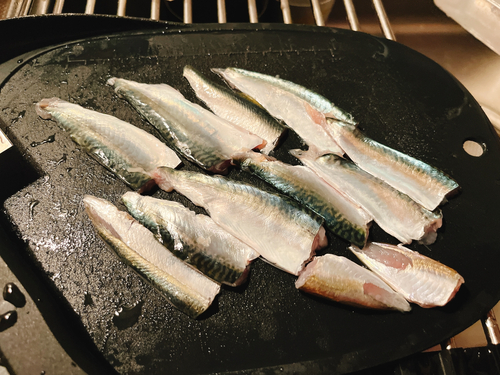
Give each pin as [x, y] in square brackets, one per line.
[196, 239]
[302, 110]
[185, 288]
[339, 279]
[197, 133]
[419, 279]
[236, 109]
[126, 150]
[342, 216]
[393, 211]
[426, 185]
[280, 230]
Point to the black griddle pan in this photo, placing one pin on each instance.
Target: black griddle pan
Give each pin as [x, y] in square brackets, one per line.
[399, 97]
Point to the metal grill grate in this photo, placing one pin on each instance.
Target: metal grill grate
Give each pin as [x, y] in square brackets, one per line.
[19, 8]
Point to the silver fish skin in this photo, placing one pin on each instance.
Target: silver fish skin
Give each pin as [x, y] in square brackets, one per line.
[185, 288]
[423, 183]
[281, 231]
[123, 148]
[342, 216]
[395, 212]
[340, 279]
[195, 132]
[196, 239]
[318, 102]
[236, 109]
[419, 279]
[283, 101]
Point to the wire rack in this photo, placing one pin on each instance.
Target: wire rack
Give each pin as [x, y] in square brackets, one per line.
[17, 8]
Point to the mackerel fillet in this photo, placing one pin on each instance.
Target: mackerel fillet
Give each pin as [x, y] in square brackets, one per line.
[300, 109]
[395, 212]
[196, 239]
[185, 288]
[129, 152]
[419, 279]
[423, 183]
[342, 216]
[236, 109]
[340, 279]
[279, 229]
[195, 132]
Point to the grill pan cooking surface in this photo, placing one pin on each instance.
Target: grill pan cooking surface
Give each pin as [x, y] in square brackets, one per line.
[400, 98]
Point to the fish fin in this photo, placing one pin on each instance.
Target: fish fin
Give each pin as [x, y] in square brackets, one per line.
[222, 73]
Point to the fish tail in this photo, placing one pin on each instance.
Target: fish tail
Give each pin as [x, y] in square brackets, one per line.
[41, 106]
[111, 81]
[222, 73]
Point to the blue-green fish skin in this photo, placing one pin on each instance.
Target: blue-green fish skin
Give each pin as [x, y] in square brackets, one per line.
[236, 109]
[423, 183]
[287, 102]
[185, 288]
[126, 150]
[193, 131]
[196, 239]
[318, 101]
[395, 212]
[278, 228]
[342, 216]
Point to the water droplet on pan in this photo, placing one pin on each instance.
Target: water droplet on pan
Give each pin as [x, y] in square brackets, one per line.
[88, 301]
[127, 316]
[50, 139]
[13, 294]
[7, 320]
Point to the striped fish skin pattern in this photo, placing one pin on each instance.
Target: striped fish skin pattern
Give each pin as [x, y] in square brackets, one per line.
[185, 288]
[423, 183]
[123, 148]
[318, 102]
[236, 109]
[419, 279]
[340, 279]
[342, 216]
[286, 104]
[284, 233]
[395, 212]
[193, 131]
[196, 239]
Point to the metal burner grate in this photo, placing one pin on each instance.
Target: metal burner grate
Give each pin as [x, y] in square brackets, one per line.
[156, 8]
